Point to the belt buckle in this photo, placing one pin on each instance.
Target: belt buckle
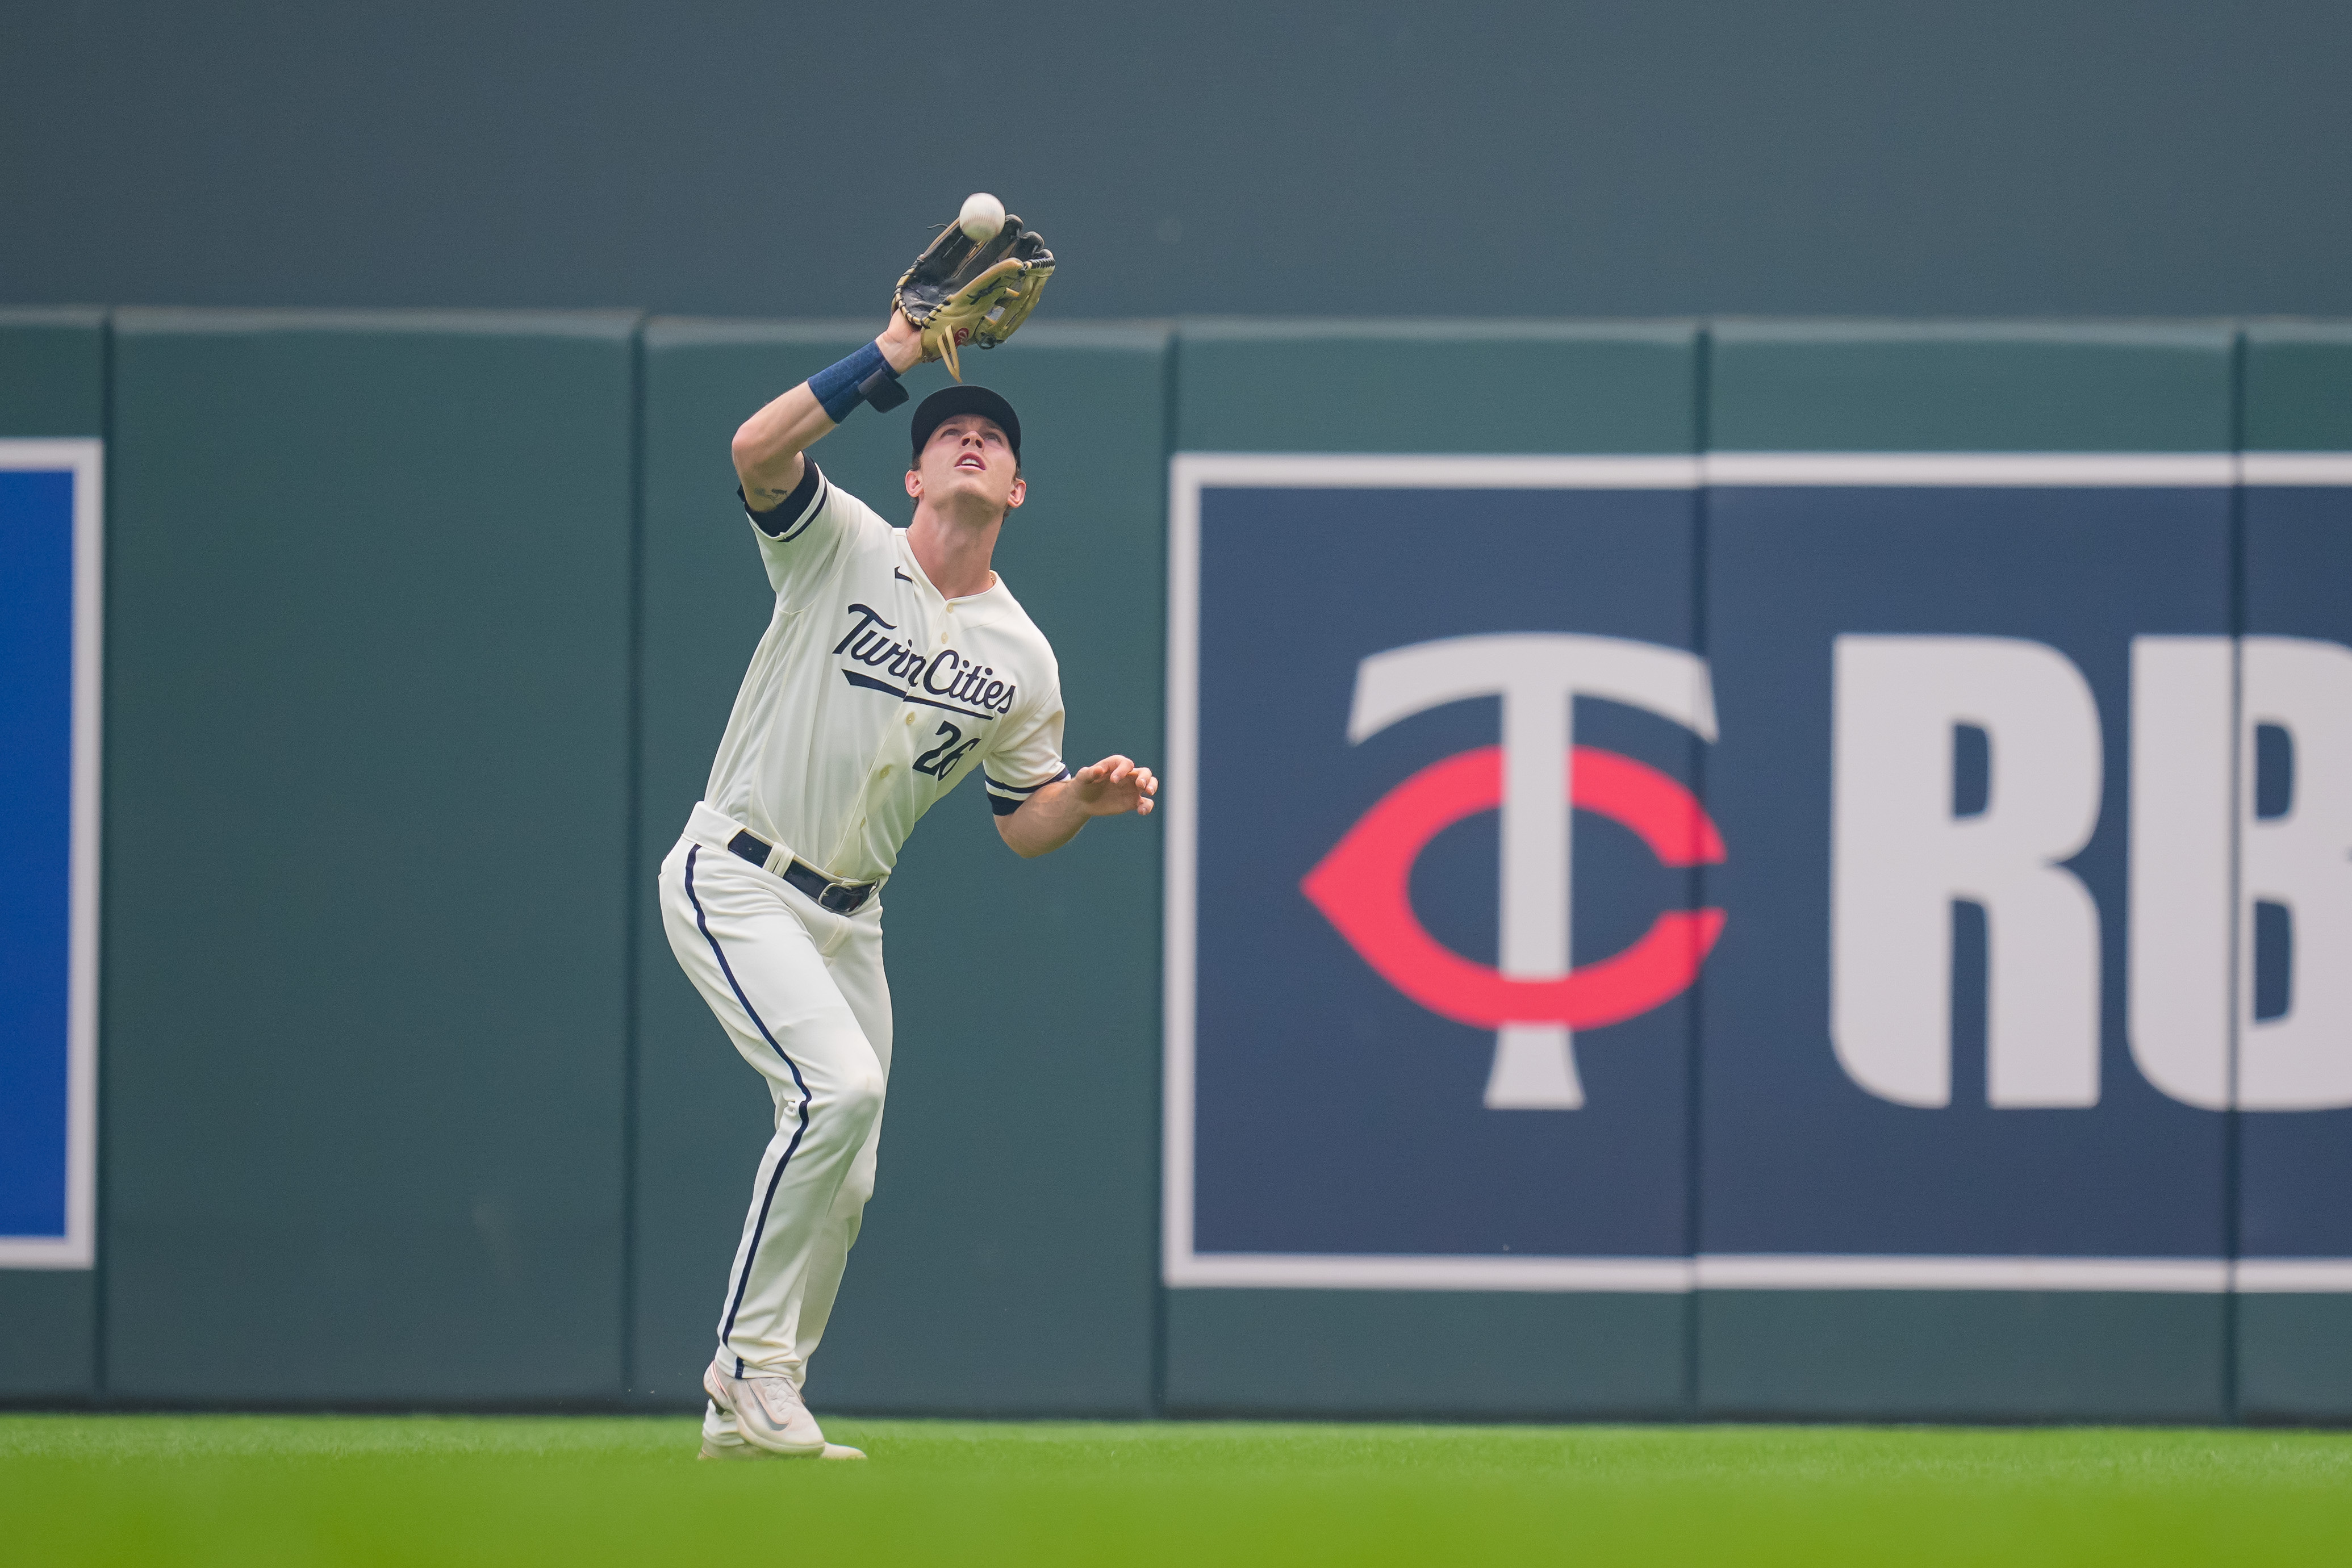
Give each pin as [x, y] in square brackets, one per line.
[841, 899]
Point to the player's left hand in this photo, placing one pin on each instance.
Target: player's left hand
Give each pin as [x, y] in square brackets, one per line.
[1113, 786]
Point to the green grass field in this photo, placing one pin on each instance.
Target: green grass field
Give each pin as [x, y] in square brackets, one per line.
[585, 1491]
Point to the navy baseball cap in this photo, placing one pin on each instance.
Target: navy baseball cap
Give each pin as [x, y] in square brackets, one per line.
[948, 401]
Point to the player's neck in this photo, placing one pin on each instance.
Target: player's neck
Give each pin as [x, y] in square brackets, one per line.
[954, 552]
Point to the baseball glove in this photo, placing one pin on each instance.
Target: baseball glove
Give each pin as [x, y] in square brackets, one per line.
[961, 293]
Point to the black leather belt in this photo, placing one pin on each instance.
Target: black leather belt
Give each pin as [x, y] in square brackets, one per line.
[839, 897]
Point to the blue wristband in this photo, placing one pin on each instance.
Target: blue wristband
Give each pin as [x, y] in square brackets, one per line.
[842, 386]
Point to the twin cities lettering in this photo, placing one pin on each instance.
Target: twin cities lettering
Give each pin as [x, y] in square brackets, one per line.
[947, 675]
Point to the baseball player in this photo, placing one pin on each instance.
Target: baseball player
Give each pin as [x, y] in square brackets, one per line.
[897, 665]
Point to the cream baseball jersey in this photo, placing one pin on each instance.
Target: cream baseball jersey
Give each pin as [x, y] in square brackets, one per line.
[871, 695]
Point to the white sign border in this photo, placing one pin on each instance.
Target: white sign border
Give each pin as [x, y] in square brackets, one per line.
[1182, 1268]
[86, 460]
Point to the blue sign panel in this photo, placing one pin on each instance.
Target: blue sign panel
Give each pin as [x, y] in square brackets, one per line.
[48, 736]
[1971, 1002]
[1429, 1026]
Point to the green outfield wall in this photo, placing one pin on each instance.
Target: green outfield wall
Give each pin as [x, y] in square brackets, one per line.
[421, 630]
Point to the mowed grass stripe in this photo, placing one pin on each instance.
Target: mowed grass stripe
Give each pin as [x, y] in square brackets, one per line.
[587, 1491]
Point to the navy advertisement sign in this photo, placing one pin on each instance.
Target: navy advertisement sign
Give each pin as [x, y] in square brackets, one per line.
[1909, 918]
[50, 597]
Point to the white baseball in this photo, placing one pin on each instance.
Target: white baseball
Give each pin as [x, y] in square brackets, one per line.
[982, 216]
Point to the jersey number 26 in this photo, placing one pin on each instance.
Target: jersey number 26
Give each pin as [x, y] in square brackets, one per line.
[940, 760]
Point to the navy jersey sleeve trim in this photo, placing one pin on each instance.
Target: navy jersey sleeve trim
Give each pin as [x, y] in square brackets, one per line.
[795, 512]
[1006, 799]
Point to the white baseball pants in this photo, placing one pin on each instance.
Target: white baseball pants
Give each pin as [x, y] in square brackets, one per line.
[800, 992]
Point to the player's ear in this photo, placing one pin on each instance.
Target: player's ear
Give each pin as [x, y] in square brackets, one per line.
[1018, 493]
[915, 483]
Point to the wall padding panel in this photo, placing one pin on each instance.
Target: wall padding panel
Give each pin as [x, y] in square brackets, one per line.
[52, 383]
[2292, 1360]
[1797, 1158]
[367, 776]
[1005, 1265]
[1272, 1146]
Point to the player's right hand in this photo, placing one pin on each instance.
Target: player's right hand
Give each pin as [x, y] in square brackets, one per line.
[901, 342]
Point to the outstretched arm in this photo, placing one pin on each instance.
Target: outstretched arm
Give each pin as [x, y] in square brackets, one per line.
[769, 445]
[1053, 816]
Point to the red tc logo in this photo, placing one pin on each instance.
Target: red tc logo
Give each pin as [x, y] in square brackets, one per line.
[1534, 999]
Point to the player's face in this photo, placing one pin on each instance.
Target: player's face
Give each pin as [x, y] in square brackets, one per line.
[968, 457]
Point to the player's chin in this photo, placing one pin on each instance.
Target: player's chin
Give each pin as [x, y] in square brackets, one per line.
[961, 483]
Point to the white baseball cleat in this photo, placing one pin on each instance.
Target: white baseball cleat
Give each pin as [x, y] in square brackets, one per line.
[768, 1411]
[736, 1449]
[730, 1448]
